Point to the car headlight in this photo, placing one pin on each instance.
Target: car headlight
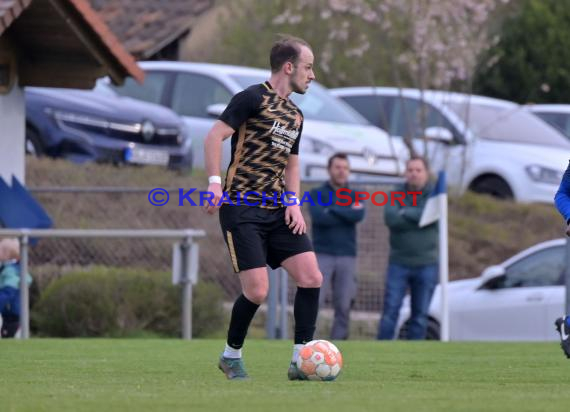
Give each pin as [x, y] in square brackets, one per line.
[318, 147]
[544, 174]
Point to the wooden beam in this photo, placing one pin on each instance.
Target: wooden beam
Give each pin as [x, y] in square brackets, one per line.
[48, 73]
[91, 42]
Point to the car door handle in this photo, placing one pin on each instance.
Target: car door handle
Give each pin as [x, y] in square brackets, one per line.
[536, 297]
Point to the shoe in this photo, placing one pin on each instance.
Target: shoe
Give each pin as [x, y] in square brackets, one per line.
[564, 330]
[233, 368]
[293, 373]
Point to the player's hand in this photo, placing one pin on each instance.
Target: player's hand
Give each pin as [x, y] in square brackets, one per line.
[294, 220]
[568, 230]
[216, 189]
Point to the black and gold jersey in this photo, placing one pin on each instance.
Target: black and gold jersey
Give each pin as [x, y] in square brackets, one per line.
[267, 130]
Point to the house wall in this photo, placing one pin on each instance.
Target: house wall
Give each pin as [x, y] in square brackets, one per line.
[12, 132]
[12, 121]
[204, 37]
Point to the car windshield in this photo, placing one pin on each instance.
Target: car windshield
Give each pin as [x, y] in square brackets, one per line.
[316, 104]
[512, 124]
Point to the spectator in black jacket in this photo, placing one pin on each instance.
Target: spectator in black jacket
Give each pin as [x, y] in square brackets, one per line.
[334, 241]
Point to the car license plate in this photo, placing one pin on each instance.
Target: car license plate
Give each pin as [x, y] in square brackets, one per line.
[146, 156]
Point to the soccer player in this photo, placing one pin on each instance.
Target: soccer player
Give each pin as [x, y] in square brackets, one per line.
[259, 225]
[562, 201]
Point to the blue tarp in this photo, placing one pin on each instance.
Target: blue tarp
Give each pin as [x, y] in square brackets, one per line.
[19, 209]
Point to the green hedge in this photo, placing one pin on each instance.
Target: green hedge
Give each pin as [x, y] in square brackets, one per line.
[112, 302]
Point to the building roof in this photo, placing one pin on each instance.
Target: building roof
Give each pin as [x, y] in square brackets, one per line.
[10, 10]
[147, 26]
[64, 43]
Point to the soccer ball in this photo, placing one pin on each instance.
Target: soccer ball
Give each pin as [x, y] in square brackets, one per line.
[319, 360]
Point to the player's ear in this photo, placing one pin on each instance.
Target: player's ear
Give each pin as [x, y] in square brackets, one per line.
[288, 67]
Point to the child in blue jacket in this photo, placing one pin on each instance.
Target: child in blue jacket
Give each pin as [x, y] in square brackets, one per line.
[10, 287]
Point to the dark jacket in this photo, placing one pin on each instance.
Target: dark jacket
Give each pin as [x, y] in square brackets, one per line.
[334, 226]
[411, 245]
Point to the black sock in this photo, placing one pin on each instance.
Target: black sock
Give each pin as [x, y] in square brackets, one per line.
[305, 311]
[242, 314]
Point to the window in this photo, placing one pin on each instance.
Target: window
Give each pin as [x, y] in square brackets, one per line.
[373, 108]
[152, 90]
[543, 268]
[406, 117]
[561, 121]
[193, 93]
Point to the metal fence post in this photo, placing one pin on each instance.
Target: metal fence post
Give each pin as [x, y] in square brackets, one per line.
[186, 290]
[24, 292]
[270, 322]
[284, 297]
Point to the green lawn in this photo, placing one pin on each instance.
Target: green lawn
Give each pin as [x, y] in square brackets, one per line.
[173, 375]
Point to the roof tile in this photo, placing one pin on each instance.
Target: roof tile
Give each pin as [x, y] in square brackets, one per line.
[144, 25]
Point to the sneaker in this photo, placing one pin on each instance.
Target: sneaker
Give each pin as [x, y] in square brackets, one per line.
[293, 373]
[564, 330]
[233, 368]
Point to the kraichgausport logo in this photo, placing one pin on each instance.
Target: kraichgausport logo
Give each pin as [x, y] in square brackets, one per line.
[344, 197]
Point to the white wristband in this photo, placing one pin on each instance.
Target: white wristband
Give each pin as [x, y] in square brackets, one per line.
[293, 200]
[215, 179]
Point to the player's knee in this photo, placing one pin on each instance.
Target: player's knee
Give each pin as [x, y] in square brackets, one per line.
[257, 295]
[312, 280]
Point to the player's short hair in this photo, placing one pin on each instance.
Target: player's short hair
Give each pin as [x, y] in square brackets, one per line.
[421, 159]
[286, 49]
[342, 156]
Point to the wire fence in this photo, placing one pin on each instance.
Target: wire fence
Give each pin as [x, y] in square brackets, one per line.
[184, 264]
[112, 208]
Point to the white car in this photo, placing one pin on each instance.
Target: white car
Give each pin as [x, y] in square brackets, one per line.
[486, 145]
[200, 92]
[517, 300]
[556, 115]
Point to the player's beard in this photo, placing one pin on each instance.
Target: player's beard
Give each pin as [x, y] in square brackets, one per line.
[295, 87]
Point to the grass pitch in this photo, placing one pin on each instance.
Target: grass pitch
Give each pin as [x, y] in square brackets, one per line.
[173, 375]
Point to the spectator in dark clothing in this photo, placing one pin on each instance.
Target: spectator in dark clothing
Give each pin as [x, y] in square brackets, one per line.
[334, 241]
[413, 261]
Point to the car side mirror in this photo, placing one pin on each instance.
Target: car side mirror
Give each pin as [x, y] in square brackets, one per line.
[215, 110]
[491, 276]
[439, 134]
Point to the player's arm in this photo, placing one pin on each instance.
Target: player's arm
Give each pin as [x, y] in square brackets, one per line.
[242, 106]
[293, 216]
[562, 198]
[213, 157]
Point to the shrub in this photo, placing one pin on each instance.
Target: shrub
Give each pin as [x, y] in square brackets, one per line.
[123, 302]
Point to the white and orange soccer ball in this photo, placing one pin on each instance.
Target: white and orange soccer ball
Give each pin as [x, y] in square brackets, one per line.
[319, 360]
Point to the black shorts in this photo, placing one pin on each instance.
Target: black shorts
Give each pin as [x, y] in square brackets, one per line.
[257, 236]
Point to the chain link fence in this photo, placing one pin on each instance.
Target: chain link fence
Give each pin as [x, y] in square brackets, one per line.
[112, 208]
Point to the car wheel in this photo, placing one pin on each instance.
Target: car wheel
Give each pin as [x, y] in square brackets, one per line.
[34, 145]
[494, 186]
[432, 333]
